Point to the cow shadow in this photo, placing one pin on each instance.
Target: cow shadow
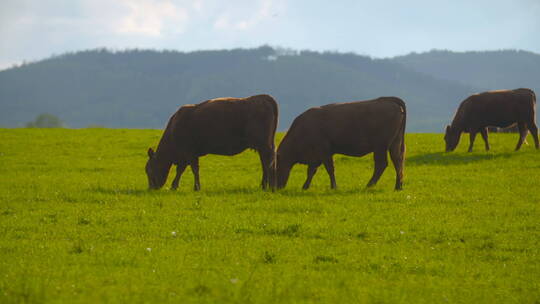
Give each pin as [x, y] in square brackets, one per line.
[233, 191]
[291, 191]
[109, 191]
[294, 191]
[452, 158]
[180, 191]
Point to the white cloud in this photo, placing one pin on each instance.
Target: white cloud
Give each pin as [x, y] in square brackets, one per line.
[198, 5]
[249, 16]
[222, 22]
[152, 18]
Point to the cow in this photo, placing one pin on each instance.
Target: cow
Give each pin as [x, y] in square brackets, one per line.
[223, 126]
[495, 109]
[352, 128]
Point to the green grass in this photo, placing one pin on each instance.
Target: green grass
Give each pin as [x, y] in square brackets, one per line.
[78, 225]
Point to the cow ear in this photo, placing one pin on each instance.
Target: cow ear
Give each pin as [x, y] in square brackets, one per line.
[150, 152]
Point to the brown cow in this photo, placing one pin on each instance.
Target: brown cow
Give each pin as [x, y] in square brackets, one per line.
[352, 128]
[224, 126]
[495, 108]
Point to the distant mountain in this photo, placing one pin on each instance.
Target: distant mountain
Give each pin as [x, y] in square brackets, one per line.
[142, 88]
[485, 70]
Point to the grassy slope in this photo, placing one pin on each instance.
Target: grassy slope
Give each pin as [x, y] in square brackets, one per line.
[77, 225]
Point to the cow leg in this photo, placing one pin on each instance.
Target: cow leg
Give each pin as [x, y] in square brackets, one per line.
[381, 162]
[329, 166]
[534, 132]
[266, 156]
[397, 156]
[484, 133]
[179, 170]
[195, 169]
[471, 138]
[312, 168]
[522, 134]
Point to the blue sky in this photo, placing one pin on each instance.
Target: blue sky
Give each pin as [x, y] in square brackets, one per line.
[32, 30]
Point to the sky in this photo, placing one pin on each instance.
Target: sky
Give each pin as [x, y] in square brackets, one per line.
[31, 30]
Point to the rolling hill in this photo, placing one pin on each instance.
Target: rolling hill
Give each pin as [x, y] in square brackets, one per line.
[486, 70]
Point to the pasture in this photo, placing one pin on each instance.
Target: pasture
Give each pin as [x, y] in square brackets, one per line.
[77, 224]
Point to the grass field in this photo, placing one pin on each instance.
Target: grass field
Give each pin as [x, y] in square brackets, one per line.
[78, 225]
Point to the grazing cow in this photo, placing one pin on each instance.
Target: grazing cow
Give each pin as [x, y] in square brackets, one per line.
[495, 108]
[352, 128]
[224, 126]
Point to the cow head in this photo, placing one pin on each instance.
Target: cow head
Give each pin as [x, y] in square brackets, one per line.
[451, 137]
[156, 171]
[283, 169]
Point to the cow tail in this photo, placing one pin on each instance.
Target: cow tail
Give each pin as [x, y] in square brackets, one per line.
[403, 126]
[276, 118]
[401, 104]
[275, 115]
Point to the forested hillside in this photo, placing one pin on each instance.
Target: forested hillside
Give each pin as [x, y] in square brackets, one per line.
[141, 88]
[487, 70]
